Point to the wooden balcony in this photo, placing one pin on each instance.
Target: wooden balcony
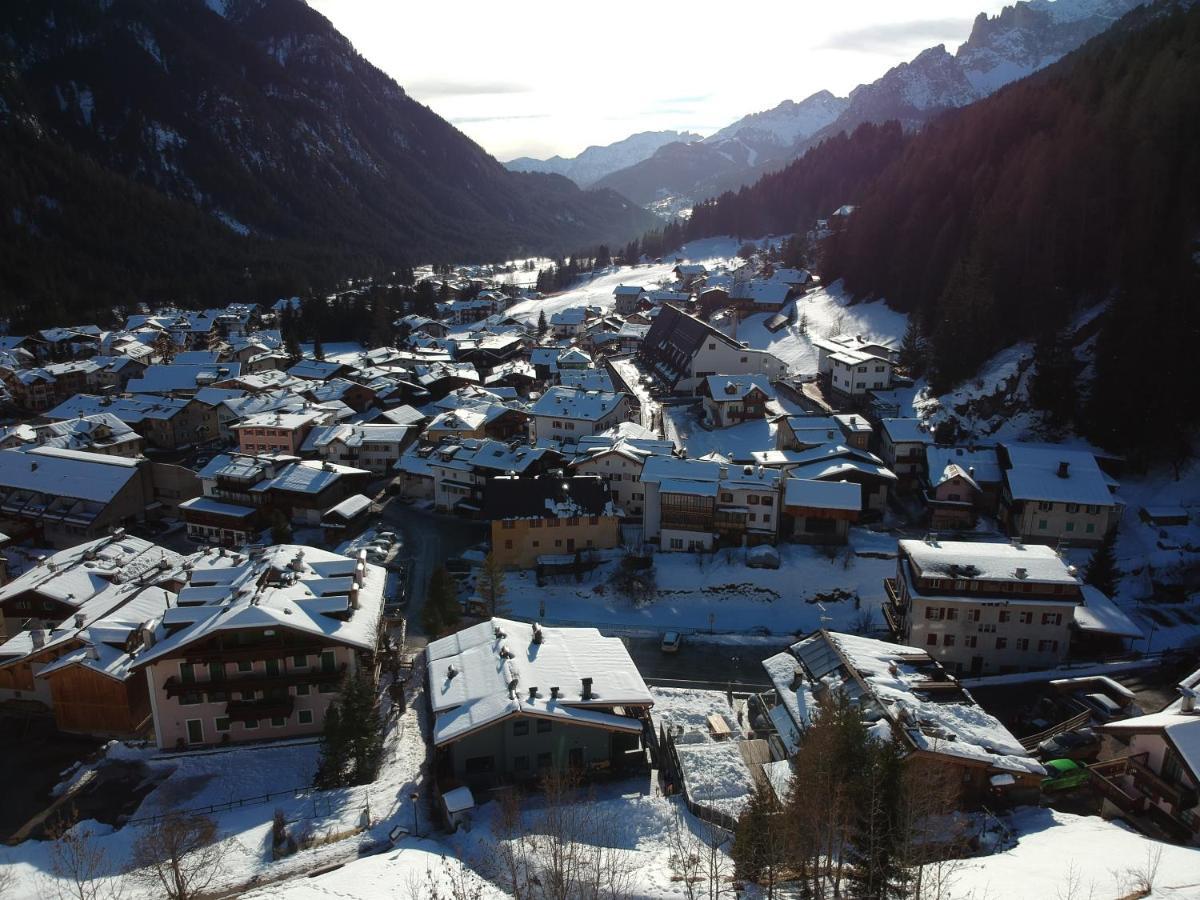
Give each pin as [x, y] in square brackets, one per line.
[255, 681]
[249, 710]
[895, 610]
[281, 647]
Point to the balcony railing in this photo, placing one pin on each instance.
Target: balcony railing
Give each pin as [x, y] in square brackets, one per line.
[270, 707]
[175, 686]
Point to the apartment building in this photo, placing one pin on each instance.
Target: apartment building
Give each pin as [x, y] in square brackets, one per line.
[983, 608]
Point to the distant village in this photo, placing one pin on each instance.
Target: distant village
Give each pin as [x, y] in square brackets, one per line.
[201, 548]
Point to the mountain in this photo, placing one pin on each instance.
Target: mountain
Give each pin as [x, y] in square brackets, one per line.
[595, 162]
[179, 150]
[1075, 186]
[1021, 39]
[682, 169]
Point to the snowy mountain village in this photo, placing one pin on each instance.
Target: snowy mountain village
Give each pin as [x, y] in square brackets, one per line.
[570, 594]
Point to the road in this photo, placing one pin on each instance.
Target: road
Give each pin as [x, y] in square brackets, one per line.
[429, 540]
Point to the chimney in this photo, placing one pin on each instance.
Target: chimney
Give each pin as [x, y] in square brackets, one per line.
[538, 637]
[1063, 468]
[532, 694]
[38, 636]
[554, 692]
[1022, 572]
[971, 471]
[1188, 702]
[79, 619]
[587, 688]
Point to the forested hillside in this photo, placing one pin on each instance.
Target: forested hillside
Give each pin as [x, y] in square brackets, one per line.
[153, 151]
[1076, 185]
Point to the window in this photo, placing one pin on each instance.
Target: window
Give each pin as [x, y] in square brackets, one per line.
[726, 498]
[1045, 506]
[973, 615]
[327, 688]
[1023, 643]
[676, 543]
[712, 346]
[1070, 526]
[520, 763]
[221, 724]
[1005, 615]
[1001, 643]
[300, 661]
[187, 673]
[328, 661]
[1026, 618]
[1051, 618]
[1042, 525]
[508, 545]
[520, 729]
[970, 641]
[273, 667]
[931, 640]
[508, 523]
[753, 500]
[931, 612]
[191, 698]
[244, 665]
[278, 721]
[544, 760]
[1090, 528]
[216, 671]
[766, 517]
[951, 613]
[543, 726]
[1072, 507]
[1092, 509]
[1047, 645]
[195, 731]
[305, 717]
[302, 690]
[948, 640]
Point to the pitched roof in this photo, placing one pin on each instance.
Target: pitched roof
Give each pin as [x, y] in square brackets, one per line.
[546, 497]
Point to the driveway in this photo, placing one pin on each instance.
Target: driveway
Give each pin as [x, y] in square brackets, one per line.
[429, 540]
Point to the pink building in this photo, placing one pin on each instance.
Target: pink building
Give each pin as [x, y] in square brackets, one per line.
[258, 647]
[277, 432]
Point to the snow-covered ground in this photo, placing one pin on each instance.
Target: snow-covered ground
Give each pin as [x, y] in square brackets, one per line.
[598, 291]
[812, 587]
[825, 312]
[1061, 855]
[198, 780]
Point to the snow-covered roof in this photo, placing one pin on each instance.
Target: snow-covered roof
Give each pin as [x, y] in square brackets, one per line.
[216, 507]
[803, 492]
[567, 403]
[484, 673]
[308, 477]
[1037, 473]
[916, 696]
[907, 431]
[988, 561]
[164, 379]
[724, 388]
[659, 468]
[1099, 614]
[982, 459]
[350, 507]
[315, 369]
[297, 588]
[67, 473]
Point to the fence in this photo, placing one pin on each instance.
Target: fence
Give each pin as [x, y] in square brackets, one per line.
[295, 793]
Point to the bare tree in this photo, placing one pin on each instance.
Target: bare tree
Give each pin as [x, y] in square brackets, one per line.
[80, 865]
[181, 855]
[685, 855]
[491, 587]
[700, 859]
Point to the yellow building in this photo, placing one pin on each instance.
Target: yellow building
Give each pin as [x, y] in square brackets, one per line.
[549, 516]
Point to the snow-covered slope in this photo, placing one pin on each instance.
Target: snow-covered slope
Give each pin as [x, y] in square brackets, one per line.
[597, 161]
[785, 124]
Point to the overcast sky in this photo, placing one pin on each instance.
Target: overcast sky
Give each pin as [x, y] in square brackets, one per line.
[553, 76]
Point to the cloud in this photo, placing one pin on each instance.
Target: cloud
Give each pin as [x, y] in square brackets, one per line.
[887, 37]
[446, 87]
[468, 120]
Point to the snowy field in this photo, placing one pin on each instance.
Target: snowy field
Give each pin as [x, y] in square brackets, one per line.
[827, 313]
[718, 591]
[598, 291]
[198, 780]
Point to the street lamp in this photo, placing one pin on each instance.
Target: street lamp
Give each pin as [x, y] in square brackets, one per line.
[414, 796]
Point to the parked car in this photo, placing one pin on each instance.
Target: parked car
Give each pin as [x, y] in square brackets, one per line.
[1083, 744]
[671, 642]
[1064, 775]
[1103, 707]
[458, 566]
[390, 536]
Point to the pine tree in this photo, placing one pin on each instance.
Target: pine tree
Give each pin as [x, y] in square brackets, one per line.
[875, 872]
[318, 347]
[352, 739]
[441, 611]
[1052, 387]
[913, 349]
[335, 751]
[542, 325]
[1102, 572]
[759, 850]
[490, 585]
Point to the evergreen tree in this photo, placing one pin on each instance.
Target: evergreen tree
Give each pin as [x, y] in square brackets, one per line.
[759, 848]
[876, 836]
[441, 611]
[913, 349]
[491, 587]
[318, 347]
[1052, 387]
[352, 739]
[542, 325]
[335, 751]
[1102, 572]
